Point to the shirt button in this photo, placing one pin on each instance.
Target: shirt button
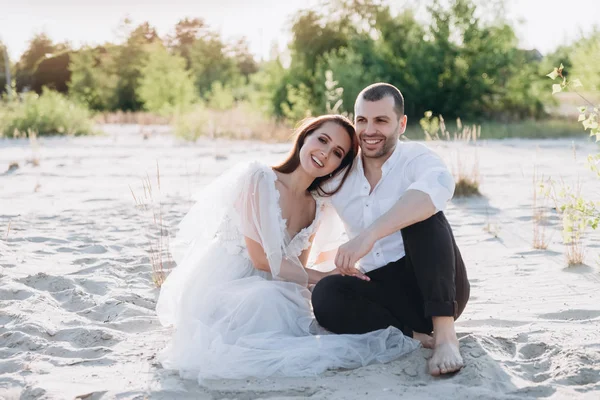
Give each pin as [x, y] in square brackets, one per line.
[367, 204]
[377, 254]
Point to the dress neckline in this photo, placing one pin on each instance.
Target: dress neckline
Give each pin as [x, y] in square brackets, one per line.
[283, 221]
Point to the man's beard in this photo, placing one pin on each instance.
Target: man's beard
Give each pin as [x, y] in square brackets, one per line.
[388, 145]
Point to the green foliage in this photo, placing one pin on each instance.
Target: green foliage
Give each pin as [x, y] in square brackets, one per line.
[585, 58]
[94, 78]
[588, 115]
[455, 63]
[129, 61]
[298, 104]
[578, 213]
[164, 86]
[45, 114]
[211, 63]
[220, 97]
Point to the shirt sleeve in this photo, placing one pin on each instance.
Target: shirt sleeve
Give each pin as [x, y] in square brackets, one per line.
[428, 174]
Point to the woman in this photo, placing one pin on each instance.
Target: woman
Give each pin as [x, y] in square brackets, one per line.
[238, 298]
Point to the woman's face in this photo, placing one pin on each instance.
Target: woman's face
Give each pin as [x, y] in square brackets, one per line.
[324, 149]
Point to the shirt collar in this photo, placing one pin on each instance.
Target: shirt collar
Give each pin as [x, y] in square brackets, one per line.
[387, 165]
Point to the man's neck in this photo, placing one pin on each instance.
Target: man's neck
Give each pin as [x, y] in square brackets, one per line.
[372, 167]
[373, 164]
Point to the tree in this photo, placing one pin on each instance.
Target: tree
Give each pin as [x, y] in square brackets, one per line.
[5, 68]
[165, 85]
[94, 77]
[40, 47]
[187, 32]
[130, 59]
[210, 62]
[52, 72]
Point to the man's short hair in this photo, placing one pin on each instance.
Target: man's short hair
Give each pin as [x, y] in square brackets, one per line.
[378, 91]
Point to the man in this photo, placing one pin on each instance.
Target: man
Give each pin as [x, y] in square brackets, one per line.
[412, 275]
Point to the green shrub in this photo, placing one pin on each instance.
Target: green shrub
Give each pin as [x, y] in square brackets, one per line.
[165, 85]
[46, 114]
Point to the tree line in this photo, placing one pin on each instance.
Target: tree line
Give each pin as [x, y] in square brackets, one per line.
[455, 64]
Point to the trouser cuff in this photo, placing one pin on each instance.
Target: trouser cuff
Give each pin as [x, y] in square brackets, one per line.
[441, 309]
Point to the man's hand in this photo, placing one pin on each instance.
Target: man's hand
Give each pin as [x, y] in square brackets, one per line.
[350, 252]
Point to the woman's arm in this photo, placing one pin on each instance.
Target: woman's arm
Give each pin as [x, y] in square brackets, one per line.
[257, 255]
[260, 262]
[314, 276]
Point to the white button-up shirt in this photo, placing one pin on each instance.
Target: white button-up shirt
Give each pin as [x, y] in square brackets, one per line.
[412, 166]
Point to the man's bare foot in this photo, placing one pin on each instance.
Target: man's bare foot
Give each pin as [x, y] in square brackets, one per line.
[426, 340]
[446, 352]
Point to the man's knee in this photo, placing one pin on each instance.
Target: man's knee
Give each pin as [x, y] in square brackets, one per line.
[434, 230]
[326, 298]
[324, 291]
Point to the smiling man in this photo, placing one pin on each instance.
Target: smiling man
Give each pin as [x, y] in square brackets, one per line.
[401, 246]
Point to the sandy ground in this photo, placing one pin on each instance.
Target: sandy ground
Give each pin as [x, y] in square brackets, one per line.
[77, 298]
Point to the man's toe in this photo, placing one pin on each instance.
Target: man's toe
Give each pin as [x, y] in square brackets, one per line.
[444, 368]
[434, 369]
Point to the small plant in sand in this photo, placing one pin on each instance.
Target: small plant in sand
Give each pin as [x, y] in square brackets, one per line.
[491, 227]
[578, 213]
[35, 146]
[159, 249]
[540, 241]
[466, 173]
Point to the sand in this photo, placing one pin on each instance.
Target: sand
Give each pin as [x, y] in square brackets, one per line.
[77, 296]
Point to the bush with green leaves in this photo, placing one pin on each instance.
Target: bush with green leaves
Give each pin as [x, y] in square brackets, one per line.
[47, 114]
[164, 86]
[94, 78]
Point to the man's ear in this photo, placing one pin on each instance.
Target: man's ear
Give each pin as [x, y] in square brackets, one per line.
[403, 120]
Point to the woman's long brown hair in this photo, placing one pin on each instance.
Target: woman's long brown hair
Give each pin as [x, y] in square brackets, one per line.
[308, 127]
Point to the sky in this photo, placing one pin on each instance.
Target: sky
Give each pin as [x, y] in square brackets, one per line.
[540, 24]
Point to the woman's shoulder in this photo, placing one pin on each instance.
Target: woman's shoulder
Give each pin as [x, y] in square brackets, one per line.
[254, 171]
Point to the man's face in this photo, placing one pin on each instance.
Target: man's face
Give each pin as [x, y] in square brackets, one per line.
[378, 127]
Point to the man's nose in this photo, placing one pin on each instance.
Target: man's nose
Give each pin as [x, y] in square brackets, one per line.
[370, 128]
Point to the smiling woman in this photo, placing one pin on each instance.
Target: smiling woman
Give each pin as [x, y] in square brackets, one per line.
[315, 150]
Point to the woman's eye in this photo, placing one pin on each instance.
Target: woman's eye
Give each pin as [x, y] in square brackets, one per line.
[338, 154]
[322, 140]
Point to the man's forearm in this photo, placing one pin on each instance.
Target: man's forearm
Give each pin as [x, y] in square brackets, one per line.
[415, 206]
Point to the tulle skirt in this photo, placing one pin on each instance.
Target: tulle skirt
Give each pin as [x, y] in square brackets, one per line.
[233, 321]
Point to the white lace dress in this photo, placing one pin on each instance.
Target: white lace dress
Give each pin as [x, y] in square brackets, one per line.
[234, 321]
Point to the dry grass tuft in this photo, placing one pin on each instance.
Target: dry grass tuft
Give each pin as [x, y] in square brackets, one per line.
[575, 253]
[35, 146]
[491, 227]
[159, 246]
[466, 174]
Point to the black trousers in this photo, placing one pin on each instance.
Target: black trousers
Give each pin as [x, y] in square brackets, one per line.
[431, 280]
